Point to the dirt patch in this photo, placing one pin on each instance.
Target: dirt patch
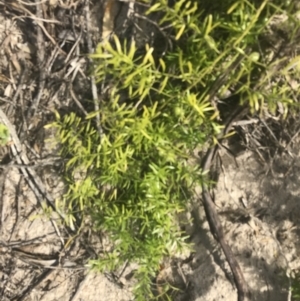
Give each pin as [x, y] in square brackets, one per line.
[259, 208]
[264, 234]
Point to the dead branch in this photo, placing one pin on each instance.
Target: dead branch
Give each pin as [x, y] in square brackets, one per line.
[40, 61]
[213, 218]
[30, 175]
[92, 78]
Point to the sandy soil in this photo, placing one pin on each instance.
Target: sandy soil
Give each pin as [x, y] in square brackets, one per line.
[264, 236]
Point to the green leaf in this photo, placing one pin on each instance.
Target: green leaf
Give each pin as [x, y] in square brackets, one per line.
[153, 8]
[180, 32]
[4, 135]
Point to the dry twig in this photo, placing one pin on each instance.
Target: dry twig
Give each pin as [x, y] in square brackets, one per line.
[40, 60]
[30, 175]
[93, 82]
[213, 218]
[209, 207]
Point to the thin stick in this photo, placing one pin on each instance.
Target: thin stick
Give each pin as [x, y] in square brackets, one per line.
[32, 4]
[76, 100]
[213, 218]
[30, 175]
[93, 82]
[19, 8]
[40, 60]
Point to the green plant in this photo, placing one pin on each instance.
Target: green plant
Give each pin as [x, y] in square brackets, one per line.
[296, 286]
[135, 175]
[4, 135]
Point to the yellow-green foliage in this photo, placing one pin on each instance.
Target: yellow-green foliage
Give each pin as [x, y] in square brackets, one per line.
[135, 176]
[4, 135]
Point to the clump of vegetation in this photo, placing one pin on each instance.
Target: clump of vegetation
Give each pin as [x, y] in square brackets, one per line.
[4, 135]
[133, 176]
[296, 286]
